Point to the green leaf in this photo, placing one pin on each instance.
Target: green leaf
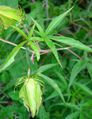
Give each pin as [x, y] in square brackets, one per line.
[89, 68]
[10, 58]
[72, 106]
[80, 65]
[72, 42]
[35, 48]
[14, 95]
[84, 88]
[69, 105]
[45, 67]
[36, 39]
[19, 81]
[38, 27]
[61, 77]
[31, 32]
[55, 22]
[51, 96]
[21, 32]
[87, 103]
[73, 115]
[53, 85]
[51, 45]
[43, 114]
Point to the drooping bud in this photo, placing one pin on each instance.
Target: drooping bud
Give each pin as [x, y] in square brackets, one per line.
[32, 95]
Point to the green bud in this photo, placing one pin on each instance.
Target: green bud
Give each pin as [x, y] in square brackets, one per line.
[32, 95]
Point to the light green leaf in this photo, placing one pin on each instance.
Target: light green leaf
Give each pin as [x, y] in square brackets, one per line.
[53, 85]
[80, 65]
[38, 27]
[56, 21]
[10, 15]
[31, 32]
[51, 45]
[6, 22]
[21, 32]
[36, 39]
[35, 48]
[10, 59]
[72, 42]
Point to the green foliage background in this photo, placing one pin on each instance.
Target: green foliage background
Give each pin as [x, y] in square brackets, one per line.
[74, 79]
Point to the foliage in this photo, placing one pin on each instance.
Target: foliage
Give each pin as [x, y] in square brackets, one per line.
[45, 59]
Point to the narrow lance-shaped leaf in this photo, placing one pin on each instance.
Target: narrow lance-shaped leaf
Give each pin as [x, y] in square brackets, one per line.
[10, 59]
[72, 42]
[84, 88]
[69, 105]
[56, 21]
[21, 32]
[33, 38]
[45, 67]
[31, 32]
[53, 85]
[52, 95]
[41, 31]
[61, 77]
[89, 68]
[51, 45]
[80, 65]
[73, 115]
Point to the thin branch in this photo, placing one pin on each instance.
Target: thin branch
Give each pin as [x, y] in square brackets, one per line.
[13, 44]
[59, 49]
[8, 42]
[74, 53]
[43, 51]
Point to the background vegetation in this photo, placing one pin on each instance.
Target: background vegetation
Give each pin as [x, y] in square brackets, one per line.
[73, 81]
